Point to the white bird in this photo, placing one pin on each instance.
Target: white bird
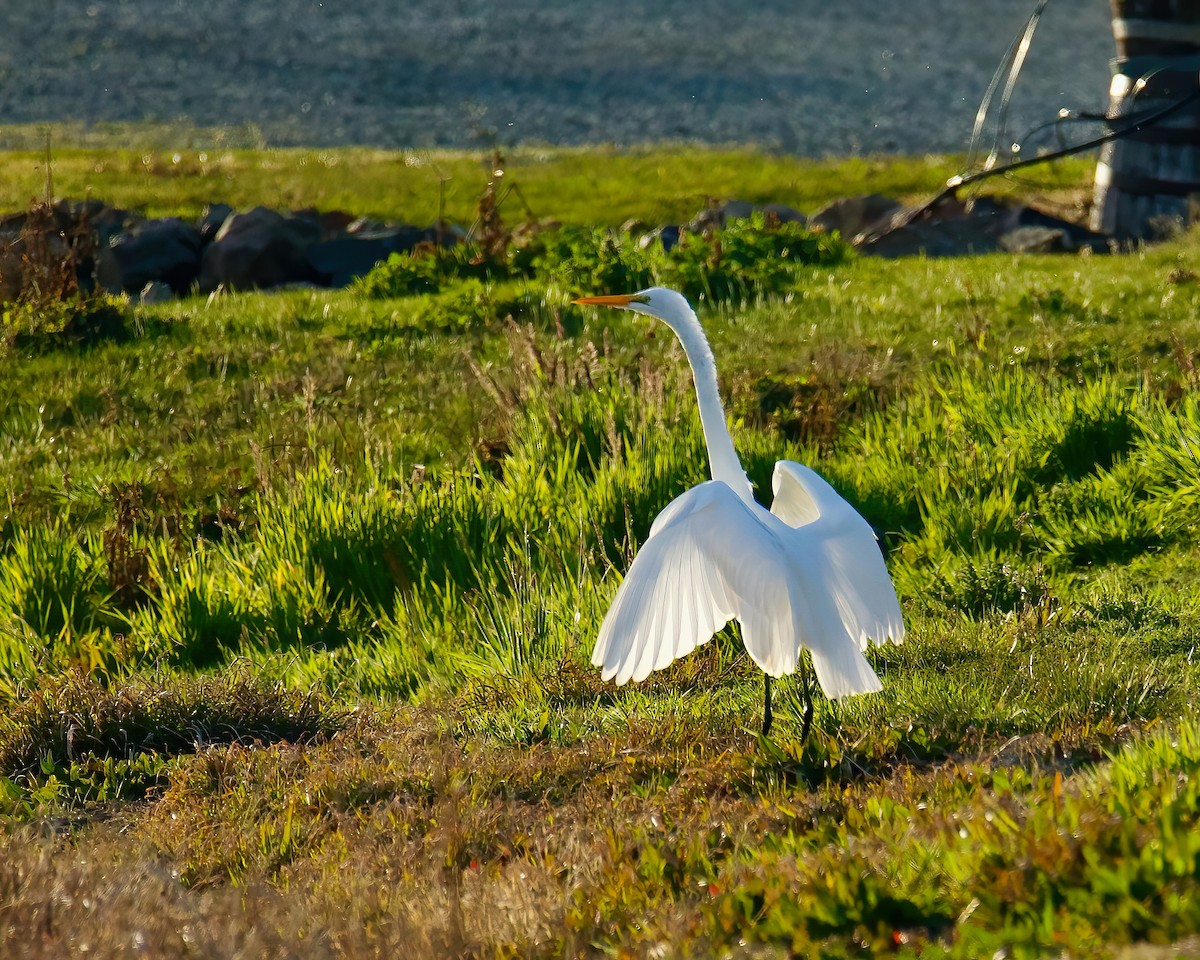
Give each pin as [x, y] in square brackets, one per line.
[808, 573]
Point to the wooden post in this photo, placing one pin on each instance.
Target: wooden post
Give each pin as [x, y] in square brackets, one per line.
[1144, 181]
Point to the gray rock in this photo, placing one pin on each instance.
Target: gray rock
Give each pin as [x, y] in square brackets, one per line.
[851, 216]
[447, 234]
[404, 239]
[668, 236]
[365, 226]
[342, 259]
[1035, 240]
[103, 221]
[955, 228]
[259, 249]
[214, 217]
[156, 292]
[717, 216]
[1075, 235]
[338, 262]
[783, 213]
[952, 228]
[933, 238]
[166, 250]
[75, 231]
[301, 230]
[334, 223]
[111, 222]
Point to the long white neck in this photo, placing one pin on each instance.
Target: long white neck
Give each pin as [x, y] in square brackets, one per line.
[723, 462]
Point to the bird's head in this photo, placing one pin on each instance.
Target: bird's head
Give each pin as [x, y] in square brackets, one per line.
[667, 305]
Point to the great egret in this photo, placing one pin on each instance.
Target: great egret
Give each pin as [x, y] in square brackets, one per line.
[806, 574]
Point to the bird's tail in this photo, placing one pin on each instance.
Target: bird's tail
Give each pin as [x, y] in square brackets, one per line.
[844, 671]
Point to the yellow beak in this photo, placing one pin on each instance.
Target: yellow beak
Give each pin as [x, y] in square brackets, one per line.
[616, 300]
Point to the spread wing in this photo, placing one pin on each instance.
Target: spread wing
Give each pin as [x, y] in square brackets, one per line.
[840, 555]
[708, 559]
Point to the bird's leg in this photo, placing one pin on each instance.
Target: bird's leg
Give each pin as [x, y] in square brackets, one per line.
[808, 704]
[766, 704]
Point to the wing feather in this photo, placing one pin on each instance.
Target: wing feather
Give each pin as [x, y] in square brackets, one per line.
[811, 576]
[708, 559]
[840, 556]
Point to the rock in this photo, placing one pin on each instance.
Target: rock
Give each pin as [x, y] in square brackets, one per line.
[335, 222]
[783, 213]
[851, 216]
[715, 217]
[103, 221]
[342, 259]
[70, 231]
[214, 217]
[1075, 236]
[338, 262]
[100, 224]
[156, 292]
[365, 225]
[719, 215]
[933, 238]
[10, 267]
[447, 234]
[258, 249]
[1034, 240]
[951, 228]
[667, 236]
[166, 250]
[70, 213]
[527, 231]
[111, 222]
[11, 224]
[955, 228]
[405, 239]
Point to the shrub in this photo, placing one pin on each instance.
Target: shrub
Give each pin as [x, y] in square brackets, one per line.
[756, 256]
[753, 257]
[400, 275]
[587, 260]
[78, 319]
[429, 270]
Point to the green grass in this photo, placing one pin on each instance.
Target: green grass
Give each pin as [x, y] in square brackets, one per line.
[297, 593]
[149, 172]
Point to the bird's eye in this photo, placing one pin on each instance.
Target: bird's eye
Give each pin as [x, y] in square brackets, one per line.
[640, 298]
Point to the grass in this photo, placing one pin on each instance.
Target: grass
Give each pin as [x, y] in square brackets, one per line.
[297, 592]
[135, 170]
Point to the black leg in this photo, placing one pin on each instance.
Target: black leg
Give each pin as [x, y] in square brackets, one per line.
[808, 704]
[766, 704]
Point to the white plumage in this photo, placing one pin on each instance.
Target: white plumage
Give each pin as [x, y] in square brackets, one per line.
[806, 574]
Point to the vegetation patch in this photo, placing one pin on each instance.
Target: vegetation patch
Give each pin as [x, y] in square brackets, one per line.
[748, 258]
[71, 739]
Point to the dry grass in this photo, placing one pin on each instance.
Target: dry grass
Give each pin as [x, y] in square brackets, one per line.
[103, 905]
[235, 818]
[401, 833]
[74, 717]
[405, 834]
